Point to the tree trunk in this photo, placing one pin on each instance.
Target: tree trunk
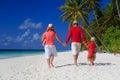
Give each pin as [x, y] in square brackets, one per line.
[99, 39]
[90, 36]
[85, 22]
[118, 8]
[95, 16]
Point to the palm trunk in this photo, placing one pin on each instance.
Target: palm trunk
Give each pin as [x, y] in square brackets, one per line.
[95, 34]
[89, 35]
[98, 26]
[95, 16]
[118, 8]
[99, 39]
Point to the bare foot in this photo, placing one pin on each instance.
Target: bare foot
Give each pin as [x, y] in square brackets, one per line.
[52, 65]
[76, 64]
[49, 67]
[92, 63]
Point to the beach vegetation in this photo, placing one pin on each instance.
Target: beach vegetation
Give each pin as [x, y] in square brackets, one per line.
[96, 20]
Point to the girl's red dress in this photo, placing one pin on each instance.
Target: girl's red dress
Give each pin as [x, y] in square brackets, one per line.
[91, 50]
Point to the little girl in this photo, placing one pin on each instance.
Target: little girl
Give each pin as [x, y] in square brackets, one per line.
[91, 51]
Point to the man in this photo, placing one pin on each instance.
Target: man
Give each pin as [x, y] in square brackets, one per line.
[76, 34]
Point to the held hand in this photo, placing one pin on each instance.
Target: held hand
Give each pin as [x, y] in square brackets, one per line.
[64, 44]
[86, 45]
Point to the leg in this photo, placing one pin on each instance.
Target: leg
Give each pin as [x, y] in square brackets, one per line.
[92, 61]
[75, 57]
[48, 62]
[93, 58]
[47, 55]
[75, 50]
[51, 61]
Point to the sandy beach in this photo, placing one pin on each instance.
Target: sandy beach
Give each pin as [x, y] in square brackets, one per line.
[34, 67]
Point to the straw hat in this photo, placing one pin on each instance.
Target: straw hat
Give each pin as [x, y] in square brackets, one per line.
[74, 22]
[92, 38]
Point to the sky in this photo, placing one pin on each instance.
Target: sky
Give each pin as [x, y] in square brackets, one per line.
[22, 22]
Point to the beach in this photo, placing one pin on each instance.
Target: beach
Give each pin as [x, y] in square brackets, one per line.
[34, 67]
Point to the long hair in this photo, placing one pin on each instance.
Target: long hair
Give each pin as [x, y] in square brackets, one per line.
[50, 29]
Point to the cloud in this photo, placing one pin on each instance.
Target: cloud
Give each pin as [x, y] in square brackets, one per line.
[27, 39]
[28, 23]
[8, 39]
[20, 38]
[5, 40]
[35, 37]
[5, 44]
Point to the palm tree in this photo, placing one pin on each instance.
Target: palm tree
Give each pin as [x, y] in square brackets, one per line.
[93, 6]
[116, 2]
[74, 10]
[110, 18]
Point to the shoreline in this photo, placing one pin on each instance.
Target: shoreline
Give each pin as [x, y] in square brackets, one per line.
[20, 53]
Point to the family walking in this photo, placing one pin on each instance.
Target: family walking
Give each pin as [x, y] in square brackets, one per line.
[76, 34]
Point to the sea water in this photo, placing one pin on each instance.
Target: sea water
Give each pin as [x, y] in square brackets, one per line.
[4, 54]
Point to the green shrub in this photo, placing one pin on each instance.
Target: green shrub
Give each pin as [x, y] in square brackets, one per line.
[111, 38]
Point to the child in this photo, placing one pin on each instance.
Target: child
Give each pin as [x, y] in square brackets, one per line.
[91, 51]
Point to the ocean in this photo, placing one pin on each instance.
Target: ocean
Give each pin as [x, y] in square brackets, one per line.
[5, 54]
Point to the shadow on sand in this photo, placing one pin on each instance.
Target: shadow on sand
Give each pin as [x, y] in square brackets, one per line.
[103, 64]
[64, 65]
[98, 64]
[85, 64]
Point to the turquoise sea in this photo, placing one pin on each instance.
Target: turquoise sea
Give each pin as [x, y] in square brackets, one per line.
[4, 54]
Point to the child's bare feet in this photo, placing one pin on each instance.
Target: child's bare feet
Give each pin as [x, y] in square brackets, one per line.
[91, 64]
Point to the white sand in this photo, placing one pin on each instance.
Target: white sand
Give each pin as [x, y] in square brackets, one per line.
[107, 67]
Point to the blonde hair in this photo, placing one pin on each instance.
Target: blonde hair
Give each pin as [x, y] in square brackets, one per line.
[50, 27]
[92, 38]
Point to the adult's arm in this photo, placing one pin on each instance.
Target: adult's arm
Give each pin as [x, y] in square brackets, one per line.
[43, 37]
[68, 37]
[57, 37]
[83, 36]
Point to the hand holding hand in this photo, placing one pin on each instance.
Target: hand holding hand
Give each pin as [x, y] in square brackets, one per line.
[86, 45]
[64, 44]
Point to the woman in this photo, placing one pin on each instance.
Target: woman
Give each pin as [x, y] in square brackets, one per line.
[49, 44]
